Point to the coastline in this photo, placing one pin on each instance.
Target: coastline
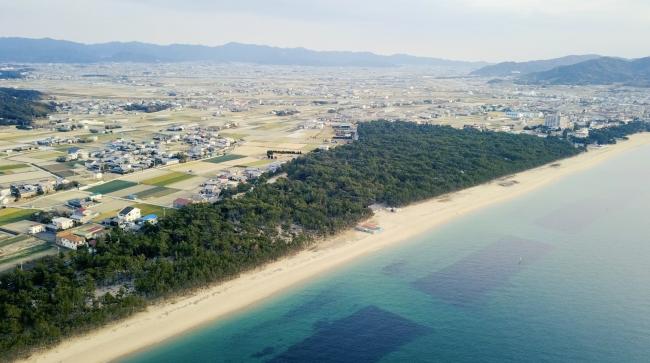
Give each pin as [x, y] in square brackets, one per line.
[171, 318]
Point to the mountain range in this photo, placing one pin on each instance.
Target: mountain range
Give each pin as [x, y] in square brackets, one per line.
[505, 69]
[572, 70]
[47, 50]
[600, 71]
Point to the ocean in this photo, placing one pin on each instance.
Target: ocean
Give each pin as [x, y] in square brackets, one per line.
[561, 274]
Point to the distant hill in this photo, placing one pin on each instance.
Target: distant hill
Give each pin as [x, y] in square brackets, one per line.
[517, 68]
[21, 106]
[599, 71]
[59, 51]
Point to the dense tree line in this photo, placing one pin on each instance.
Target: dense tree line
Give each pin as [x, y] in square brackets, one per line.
[21, 106]
[147, 107]
[324, 192]
[609, 135]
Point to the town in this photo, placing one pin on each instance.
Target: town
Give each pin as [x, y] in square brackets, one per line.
[127, 143]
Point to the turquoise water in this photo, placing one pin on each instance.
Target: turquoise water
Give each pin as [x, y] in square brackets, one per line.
[559, 275]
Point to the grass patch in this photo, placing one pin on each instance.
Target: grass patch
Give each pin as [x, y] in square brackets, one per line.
[62, 148]
[270, 126]
[26, 253]
[12, 166]
[224, 158]
[233, 135]
[12, 215]
[151, 209]
[166, 179]
[257, 163]
[14, 239]
[112, 186]
[106, 215]
[46, 155]
[155, 192]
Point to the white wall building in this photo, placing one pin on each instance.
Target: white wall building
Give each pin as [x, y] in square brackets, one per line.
[129, 214]
[62, 223]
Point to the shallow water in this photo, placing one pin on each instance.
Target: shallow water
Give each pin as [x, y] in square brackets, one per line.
[559, 275]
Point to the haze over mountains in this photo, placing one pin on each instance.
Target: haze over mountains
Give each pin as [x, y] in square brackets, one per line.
[60, 51]
[589, 69]
[574, 70]
[505, 69]
[601, 71]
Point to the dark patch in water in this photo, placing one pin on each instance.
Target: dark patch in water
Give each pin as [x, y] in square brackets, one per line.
[313, 305]
[320, 324]
[263, 353]
[580, 215]
[477, 274]
[365, 336]
[394, 269]
[575, 216]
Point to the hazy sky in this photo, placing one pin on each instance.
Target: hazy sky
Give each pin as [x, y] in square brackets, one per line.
[491, 30]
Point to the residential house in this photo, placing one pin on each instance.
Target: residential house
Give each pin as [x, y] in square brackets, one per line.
[90, 231]
[182, 202]
[149, 218]
[46, 186]
[129, 215]
[80, 203]
[83, 215]
[36, 228]
[70, 240]
[24, 190]
[62, 223]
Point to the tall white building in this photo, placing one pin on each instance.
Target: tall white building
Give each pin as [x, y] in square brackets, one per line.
[553, 121]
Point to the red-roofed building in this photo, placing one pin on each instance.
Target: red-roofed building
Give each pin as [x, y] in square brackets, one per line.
[182, 202]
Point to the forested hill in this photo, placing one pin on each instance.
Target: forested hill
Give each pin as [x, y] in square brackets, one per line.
[27, 50]
[324, 193]
[601, 71]
[519, 68]
[21, 106]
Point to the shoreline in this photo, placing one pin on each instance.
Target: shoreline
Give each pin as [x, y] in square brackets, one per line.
[169, 319]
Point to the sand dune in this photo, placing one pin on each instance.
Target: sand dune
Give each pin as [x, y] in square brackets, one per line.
[166, 320]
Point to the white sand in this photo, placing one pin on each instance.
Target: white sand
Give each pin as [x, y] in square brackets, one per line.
[166, 320]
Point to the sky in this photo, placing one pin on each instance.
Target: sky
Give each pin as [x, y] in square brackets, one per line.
[488, 30]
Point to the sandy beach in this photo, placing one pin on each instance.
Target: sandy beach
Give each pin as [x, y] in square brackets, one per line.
[171, 318]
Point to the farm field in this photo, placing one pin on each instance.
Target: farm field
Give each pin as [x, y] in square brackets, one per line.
[166, 179]
[9, 168]
[155, 192]
[224, 158]
[11, 215]
[151, 209]
[112, 186]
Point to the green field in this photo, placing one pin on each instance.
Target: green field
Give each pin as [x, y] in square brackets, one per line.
[233, 135]
[4, 168]
[224, 158]
[11, 215]
[256, 163]
[111, 186]
[14, 239]
[27, 252]
[44, 155]
[155, 192]
[166, 179]
[151, 209]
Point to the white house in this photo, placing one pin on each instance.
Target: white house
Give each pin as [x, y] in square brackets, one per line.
[129, 214]
[36, 228]
[69, 240]
[62, 223]
[83, 215]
